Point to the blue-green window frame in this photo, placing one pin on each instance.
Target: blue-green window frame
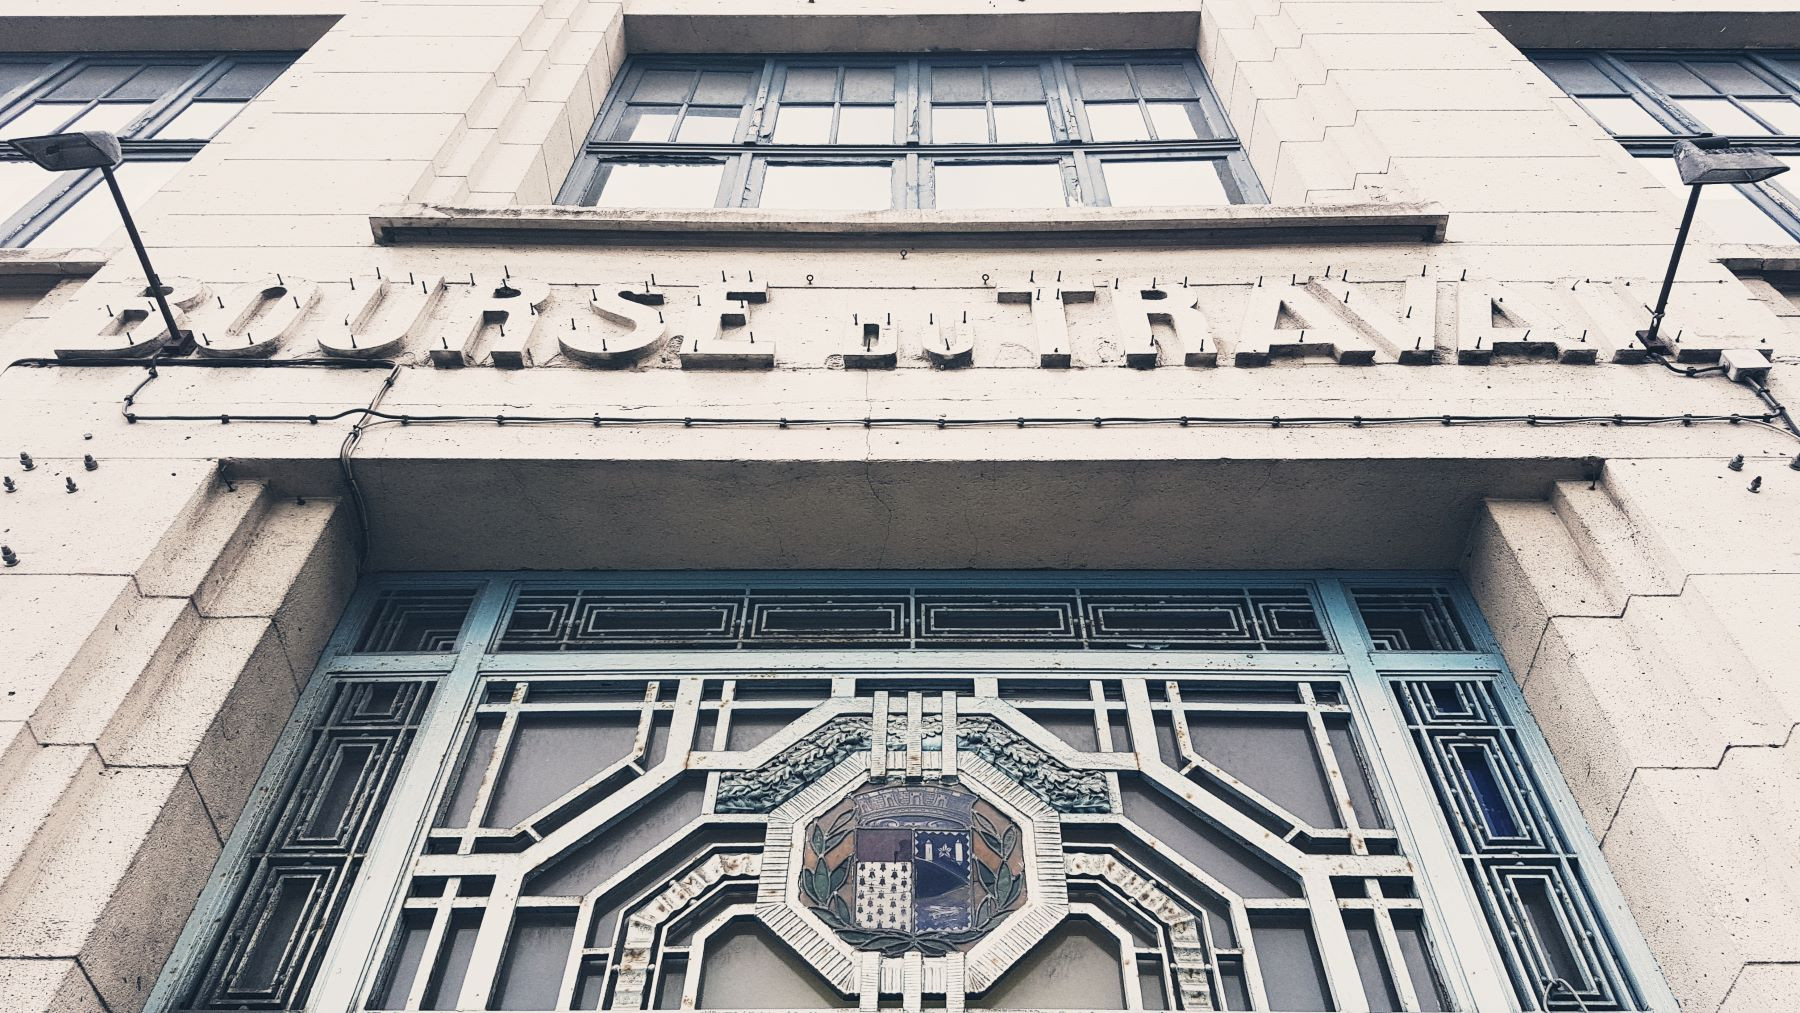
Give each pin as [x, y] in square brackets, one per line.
[912, 153]
[1411, 649]
[62, 191]
[1779, 198]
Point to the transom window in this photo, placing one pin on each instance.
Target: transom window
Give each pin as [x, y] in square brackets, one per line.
[1104, 791]
[1135, 130]
[164, 109]
[1650, 100]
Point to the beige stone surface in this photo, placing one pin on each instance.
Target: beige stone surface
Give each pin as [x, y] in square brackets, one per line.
[54, 986]
[1651, 617]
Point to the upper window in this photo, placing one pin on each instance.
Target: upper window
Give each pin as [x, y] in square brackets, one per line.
[164, 109]
[1650, 100]
[808, 133]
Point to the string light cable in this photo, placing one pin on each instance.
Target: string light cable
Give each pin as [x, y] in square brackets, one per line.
[370, 415]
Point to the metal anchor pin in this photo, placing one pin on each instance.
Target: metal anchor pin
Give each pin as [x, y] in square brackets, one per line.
[69, 484]
[1737, 463]
[25, 461]
[88, 462]
[8, 556]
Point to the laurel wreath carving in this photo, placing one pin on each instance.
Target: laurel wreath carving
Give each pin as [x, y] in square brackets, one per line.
[821, 885]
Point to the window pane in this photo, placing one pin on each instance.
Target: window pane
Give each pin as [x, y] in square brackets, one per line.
[1016, 84]
[866, 125]
[869, 84]
[113, 116]
[243, 82]
[91, 83]
[709, 125]
[1721, 117]
[661, 185]
[1732, 78]
[1116, 121]
[1781, 113]
[1001, 185]
[645, 123]
[1671, 77]
[721, 87]
[1163, 80]
[663, 86]
[1164, 183]
[200, 120]
[19, 182]
[959, 125]
[12, 75]
[1022, 124]
[803, 124]
[1579, 77]
[94, 218]
[1104, 82]
[155, 81]
[957, 84]
[42, 118]
[810, 84]
[1623, 116]
[828, 187]
[1176, 121]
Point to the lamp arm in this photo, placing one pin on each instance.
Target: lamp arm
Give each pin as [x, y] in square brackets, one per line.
[1649, 337]
[137, 243]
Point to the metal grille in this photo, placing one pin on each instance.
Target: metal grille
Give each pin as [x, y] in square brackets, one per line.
[1411, 619]
[1220, 619]
[1523, 867]
[275, 933]
[422, 621]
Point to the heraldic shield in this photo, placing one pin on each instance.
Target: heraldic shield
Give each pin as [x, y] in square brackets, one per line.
[900, 867]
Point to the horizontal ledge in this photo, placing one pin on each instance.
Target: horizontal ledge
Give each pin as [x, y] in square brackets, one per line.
[1098, 27]
[80, 262]
[1224, 225]
[1758, 258]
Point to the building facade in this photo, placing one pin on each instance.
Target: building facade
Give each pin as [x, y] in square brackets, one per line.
[947, 505]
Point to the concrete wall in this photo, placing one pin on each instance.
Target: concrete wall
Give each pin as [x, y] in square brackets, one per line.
[166, 607]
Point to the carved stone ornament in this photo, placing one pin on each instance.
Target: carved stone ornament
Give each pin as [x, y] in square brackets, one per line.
[1063, 788]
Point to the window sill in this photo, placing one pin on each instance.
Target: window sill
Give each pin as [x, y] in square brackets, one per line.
[80, 262]
[1758, 258]
[1227, 225]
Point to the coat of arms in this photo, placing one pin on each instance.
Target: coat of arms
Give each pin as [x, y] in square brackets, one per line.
[912, 867]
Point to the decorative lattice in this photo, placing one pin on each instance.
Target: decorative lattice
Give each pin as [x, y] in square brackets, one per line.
[274, 935]
[1223, 619]
[416, 621]
[1524, 869]
[1412, 619]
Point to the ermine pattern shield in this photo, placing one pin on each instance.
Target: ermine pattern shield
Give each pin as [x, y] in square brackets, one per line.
[915, 861]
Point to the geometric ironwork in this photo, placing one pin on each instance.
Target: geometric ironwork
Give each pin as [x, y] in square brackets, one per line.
[652, 831]
[269, 949]
[1525, 872]
[1223, 619]
[417, 621]
[1411, 619]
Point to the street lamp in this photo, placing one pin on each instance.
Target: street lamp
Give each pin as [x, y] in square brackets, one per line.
[1702, 162]
[99, 149]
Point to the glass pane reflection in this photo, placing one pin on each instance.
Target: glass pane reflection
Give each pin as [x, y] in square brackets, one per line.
[660, 185]
[828, 187]
[1165, 183]
[1001, 185]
